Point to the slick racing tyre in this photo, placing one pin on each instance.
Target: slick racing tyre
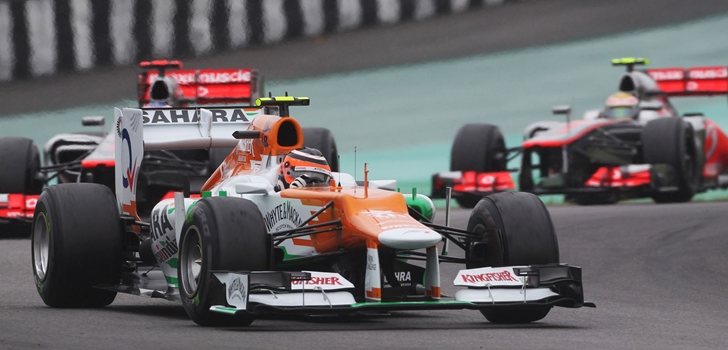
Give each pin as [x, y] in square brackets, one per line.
[515, 229]
[323, 140]
[20, 160]
[478, 147]
[76, 245]
[671, 141]
[223, 234]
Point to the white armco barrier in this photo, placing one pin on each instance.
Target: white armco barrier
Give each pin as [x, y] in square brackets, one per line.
[40, 37]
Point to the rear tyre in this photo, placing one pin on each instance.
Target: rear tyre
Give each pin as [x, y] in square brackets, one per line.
[76, 245]
[21, 177]
[478, 147]
[323, 140]
[224, 234]
[516, 229]
[671, 141]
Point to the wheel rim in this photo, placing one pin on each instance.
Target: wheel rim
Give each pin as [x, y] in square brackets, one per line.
[191, 261]
[41, 245]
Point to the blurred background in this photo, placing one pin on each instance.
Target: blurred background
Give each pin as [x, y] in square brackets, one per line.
[393, 78]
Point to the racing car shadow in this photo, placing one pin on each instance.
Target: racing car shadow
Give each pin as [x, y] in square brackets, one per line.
[171, 311]
[370, 321]
[383, 321]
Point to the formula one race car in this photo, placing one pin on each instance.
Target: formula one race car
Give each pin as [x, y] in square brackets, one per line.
[637, 146]
[276, 231]
[88, 156]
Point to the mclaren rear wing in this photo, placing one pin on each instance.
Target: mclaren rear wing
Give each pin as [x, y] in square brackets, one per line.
[202, 86]
[140, 130]
[695, 81]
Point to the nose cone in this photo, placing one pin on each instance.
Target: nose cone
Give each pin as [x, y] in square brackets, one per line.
[409, 238]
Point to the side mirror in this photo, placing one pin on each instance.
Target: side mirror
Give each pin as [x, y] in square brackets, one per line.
[93, 121]
[561, 110]
[650, 105]
[251, 188]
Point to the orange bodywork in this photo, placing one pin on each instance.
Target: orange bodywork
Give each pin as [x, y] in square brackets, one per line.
[363, 216]
[240, 160]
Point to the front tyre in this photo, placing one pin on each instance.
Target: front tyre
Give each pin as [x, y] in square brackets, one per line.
[671, 141]
[515, 229]
[76, 245]
[223, 234]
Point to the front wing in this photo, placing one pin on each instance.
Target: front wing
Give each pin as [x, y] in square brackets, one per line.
[533, 286]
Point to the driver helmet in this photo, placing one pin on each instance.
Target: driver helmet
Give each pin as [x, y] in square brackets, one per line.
[163, 93]
[304, 167]
[621, 105]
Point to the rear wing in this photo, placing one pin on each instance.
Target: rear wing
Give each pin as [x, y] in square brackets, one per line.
[696, 81]
[202, 86]
[140, 130]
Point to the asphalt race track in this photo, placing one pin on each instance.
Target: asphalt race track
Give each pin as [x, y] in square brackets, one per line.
[657, 273]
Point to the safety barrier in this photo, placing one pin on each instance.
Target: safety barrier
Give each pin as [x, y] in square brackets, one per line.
[40, 37]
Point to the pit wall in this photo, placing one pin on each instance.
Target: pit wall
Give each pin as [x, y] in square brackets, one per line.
[42, 37]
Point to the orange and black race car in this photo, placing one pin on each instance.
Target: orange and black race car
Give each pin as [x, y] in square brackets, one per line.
[638, 145]
[277, 231]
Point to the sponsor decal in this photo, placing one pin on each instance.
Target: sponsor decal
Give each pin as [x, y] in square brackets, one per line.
[127, 176]
[236, 289]
[238, 76]
[206, 77]
[190, 116]
[371, 264]
[487, 180]
[246, 146]
[322, 280]
[670, 74]
[319, 280]
[282, 216]
[30, 203]
[168, 251]
[163, 235]
[488, 276]
[403, 276]
[708, 73]
[228, 116]
[160, 223]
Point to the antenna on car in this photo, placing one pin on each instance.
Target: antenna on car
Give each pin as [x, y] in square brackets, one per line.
[355, 169]
[366, 181]
[338, 161]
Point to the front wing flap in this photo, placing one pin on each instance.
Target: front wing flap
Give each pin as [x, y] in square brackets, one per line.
[311, 292]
